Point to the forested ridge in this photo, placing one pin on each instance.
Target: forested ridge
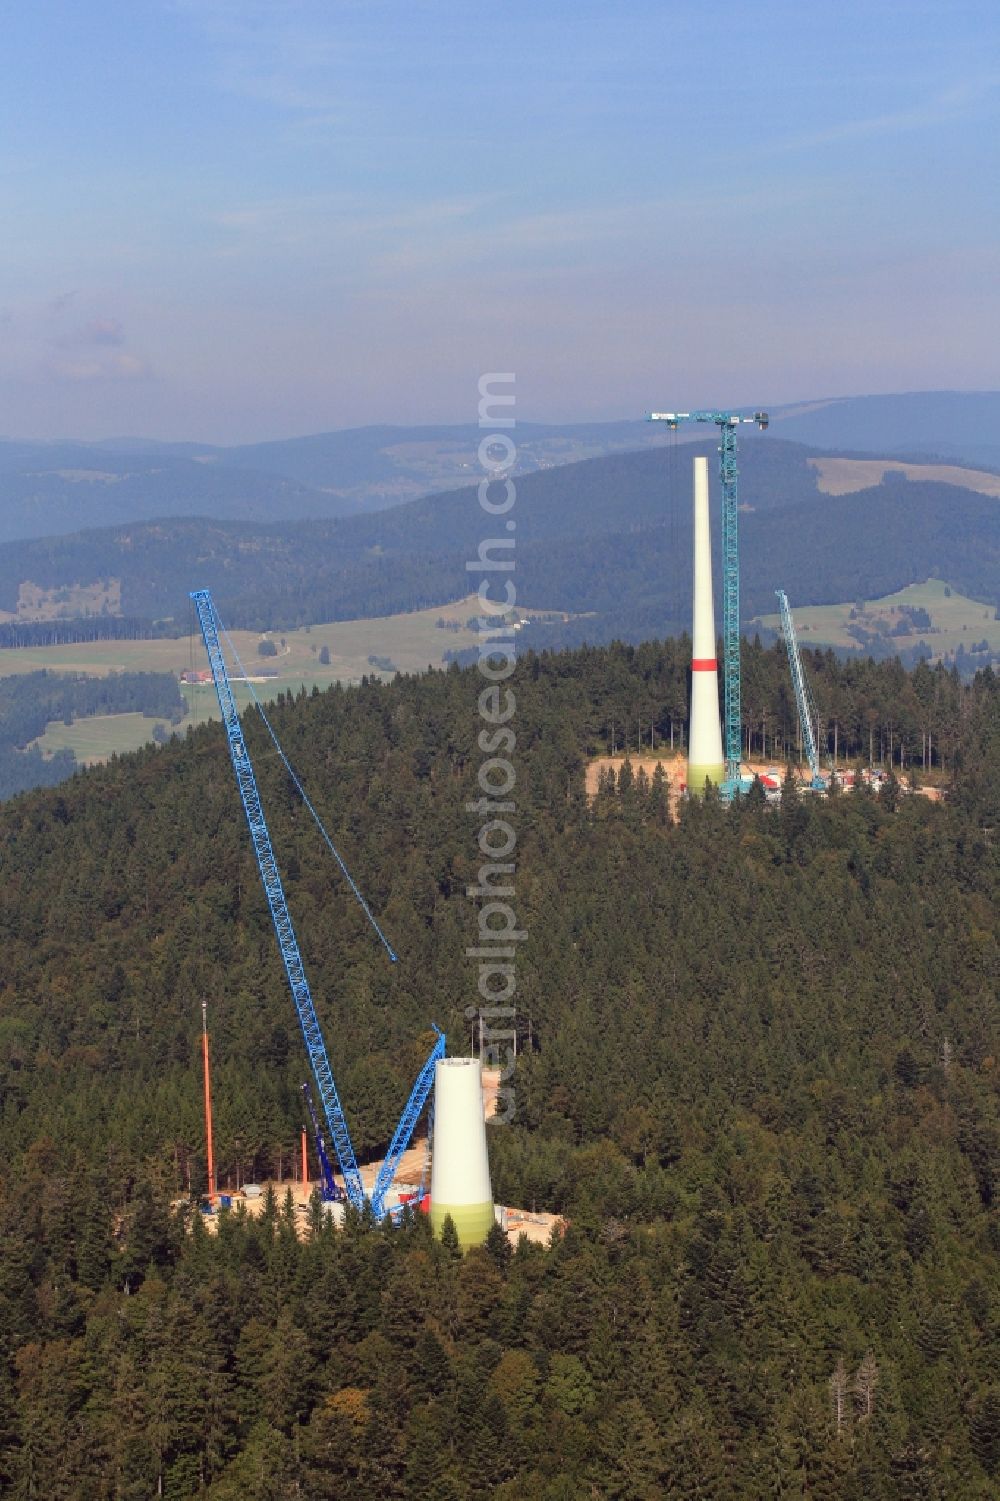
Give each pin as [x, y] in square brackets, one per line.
[609, 538]
[57, 487]
[60, 486]
[51, 489]
[761, 1084]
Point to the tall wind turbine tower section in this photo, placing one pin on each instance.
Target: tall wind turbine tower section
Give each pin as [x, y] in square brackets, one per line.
[727, 423]
[705, 734]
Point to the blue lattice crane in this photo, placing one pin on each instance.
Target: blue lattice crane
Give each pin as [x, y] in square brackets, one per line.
[270, 875]
[732, 719]
[407, 1124]
[803, 696]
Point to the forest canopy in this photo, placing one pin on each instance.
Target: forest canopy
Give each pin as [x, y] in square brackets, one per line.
[757, 1074]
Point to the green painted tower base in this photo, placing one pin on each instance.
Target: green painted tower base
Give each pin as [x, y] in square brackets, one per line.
[472, 1221]
[697, 774]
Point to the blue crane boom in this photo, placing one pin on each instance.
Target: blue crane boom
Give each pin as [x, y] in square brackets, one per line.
[727, 423]
[271, 879]
[270, 876]
[803, 697]
[407, 1124]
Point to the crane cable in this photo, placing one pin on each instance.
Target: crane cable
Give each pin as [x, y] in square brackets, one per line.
[193, 702]
[672, 492]
[393, 956]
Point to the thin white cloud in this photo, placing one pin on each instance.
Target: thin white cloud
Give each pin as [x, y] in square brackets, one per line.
[96, 331]
[473, 229]
[102, 331]
[67, 339]
[948, 106]
[290, 55]
[117, 366]
[346, 211]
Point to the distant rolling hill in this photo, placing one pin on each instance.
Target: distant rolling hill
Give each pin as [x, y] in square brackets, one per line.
[609, 539]
[51, 489]
[948, 424]
[371, 467]
[56, 489]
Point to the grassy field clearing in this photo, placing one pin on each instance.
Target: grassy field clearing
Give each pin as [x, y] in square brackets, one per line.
[955, 620]
[100, 736]
[411, 642]
[845, 476]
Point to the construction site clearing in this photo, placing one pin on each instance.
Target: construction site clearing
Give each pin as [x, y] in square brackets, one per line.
[412, 1175]
[675, 770]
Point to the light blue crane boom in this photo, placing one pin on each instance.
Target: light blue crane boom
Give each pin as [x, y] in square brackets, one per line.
[727, 423]
[803, 696]
[271, 878]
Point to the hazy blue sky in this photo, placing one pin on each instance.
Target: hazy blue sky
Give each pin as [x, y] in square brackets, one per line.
[231, 219]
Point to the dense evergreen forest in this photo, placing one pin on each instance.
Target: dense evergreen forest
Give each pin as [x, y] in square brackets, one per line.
[757, 1073]
[30, 700]
[21, 633]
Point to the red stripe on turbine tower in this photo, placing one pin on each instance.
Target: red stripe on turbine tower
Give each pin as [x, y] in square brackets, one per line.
[705, 664]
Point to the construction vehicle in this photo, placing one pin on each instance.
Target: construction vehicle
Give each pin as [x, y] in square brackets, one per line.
[330, 1189]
